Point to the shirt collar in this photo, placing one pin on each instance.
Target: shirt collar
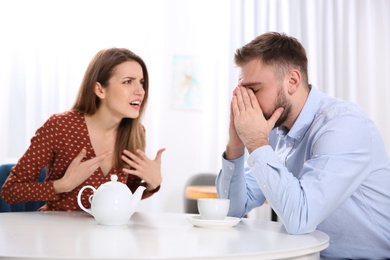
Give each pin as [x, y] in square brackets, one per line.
[306, 116]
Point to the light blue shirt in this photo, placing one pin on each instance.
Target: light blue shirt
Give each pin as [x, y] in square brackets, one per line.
[330, 172]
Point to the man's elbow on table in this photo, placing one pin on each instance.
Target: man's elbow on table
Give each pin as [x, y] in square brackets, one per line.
[237, 209]
[294, 227]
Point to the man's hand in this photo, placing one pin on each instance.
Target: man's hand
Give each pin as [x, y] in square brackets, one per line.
[251, 126]
[235, 147]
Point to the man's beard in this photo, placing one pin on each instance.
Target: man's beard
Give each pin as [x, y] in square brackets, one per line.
[281, 101]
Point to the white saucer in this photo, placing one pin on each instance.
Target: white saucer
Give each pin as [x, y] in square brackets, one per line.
[199, 222]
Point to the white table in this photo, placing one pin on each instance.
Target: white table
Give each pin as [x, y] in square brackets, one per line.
[76, 235]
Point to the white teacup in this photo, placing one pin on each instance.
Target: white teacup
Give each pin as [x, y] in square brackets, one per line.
[213, 209]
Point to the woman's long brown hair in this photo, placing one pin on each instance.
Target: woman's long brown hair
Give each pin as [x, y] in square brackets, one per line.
[130, 134]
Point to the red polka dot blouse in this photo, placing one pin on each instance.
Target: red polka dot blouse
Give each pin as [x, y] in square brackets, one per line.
[54, 146]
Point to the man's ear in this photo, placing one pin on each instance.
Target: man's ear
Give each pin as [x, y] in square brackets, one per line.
[294, 81]
[99, 90]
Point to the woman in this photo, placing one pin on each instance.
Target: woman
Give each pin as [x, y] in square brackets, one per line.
[100, 136]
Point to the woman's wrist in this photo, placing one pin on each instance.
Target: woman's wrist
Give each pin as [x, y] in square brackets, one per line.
[60, 186]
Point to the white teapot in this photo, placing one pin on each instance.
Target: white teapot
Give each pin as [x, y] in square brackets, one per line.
[112, 203]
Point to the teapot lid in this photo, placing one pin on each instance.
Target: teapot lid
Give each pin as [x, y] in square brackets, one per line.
[114, 177]
[114, 183]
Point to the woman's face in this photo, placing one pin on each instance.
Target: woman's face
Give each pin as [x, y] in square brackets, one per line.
[125, 91]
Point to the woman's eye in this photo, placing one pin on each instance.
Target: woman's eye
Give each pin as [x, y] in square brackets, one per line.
[127, 81]
[142, 83]
[254, 91]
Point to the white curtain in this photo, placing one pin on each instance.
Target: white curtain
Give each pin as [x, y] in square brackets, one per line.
[347, 42]
[45, 49]
[46, 46]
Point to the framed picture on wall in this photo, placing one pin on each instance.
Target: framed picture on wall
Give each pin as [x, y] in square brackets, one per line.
[186, 89]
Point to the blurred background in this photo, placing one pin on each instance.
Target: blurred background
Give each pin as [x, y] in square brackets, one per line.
[188, 46]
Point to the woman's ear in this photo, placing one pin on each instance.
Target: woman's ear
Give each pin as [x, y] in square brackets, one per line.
[99, 90]
[294, 81]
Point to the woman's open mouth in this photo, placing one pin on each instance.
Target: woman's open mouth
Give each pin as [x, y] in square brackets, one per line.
[136, 104]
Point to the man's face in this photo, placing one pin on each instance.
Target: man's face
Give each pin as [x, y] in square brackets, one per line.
[269, 91]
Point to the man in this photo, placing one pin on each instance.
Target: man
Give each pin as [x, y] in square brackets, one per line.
[320, 162]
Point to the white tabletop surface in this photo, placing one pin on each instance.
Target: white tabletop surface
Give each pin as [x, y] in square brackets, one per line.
[76, 235]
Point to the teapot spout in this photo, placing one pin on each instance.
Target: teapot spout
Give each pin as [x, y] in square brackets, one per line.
[136, 198]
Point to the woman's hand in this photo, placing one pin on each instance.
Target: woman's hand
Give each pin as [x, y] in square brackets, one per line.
[78, 172]
[144, 168]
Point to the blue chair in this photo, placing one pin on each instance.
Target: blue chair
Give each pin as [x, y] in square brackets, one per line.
[18, 207]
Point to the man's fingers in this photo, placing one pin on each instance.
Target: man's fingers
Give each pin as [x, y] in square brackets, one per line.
[253, 99]
[245, 97]
[235, 109]
[276, 115]
[239, 98]
[231, 111]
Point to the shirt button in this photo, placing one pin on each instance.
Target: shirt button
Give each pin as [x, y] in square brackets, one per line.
[251, 164]
[225, 191]
[265, 185]
[231, 168]
[289, 144]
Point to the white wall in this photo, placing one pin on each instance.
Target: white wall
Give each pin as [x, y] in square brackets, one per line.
[47, 45]
[192, 137]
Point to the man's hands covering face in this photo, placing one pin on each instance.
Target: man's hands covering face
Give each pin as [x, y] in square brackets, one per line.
[248, 123]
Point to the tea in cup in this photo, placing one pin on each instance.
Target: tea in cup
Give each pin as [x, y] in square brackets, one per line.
[213, 209]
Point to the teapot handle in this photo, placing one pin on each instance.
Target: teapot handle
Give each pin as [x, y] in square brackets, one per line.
[79, 198]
